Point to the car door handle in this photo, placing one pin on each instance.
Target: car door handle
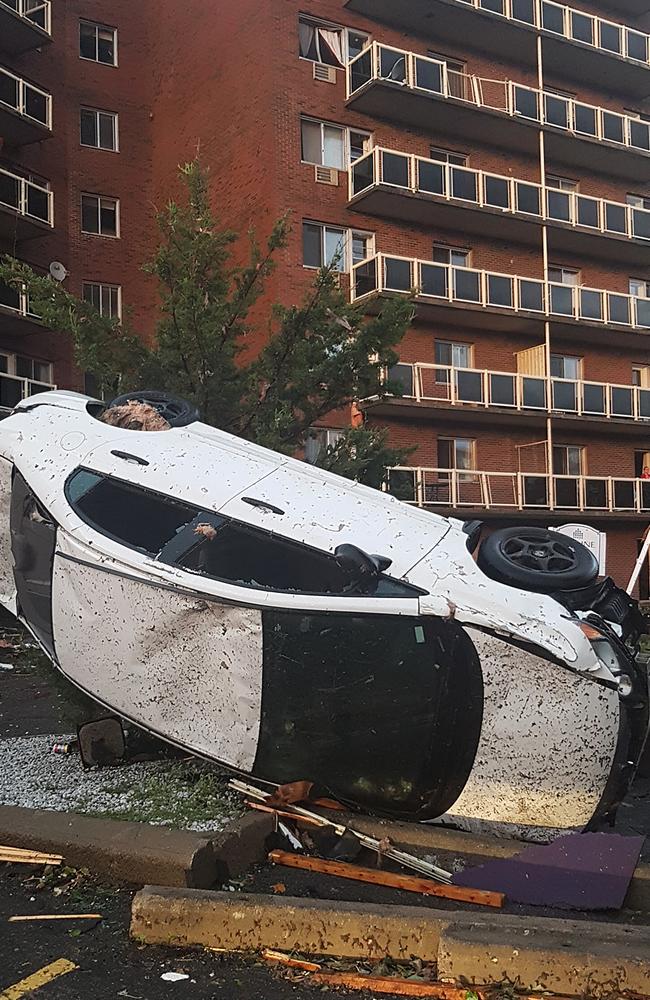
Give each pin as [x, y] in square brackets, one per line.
[263, 504]
[128, 457]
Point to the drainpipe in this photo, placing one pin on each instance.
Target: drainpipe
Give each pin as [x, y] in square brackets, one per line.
[547, 325]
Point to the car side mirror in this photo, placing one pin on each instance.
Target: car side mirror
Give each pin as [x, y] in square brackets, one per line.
[359, 566]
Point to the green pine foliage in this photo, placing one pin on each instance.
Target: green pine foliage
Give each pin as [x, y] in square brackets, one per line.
[319, 357]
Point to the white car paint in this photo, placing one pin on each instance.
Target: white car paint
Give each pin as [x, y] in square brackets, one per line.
[181, 654]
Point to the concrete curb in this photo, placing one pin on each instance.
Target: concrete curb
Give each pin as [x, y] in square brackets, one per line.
[137, 852]
[540, 953]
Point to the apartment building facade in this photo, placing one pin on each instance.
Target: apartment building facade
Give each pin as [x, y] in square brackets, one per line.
[493, 155]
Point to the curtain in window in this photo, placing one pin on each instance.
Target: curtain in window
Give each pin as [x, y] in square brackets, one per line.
[306, 35]
[334, 42]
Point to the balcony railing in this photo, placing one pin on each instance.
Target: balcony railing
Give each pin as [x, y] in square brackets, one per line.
[16, 301]
[574, 25]
[467, 286]
[39, 12]
[13, 389]
[454, 488]
[464, 186]
[27, 100]
[424, 75]
[517, 391]
[33, 201]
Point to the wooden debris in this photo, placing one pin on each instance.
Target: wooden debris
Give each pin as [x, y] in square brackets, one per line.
[282, 814]
[342, 869]
[55, 916]
[17, 855]
[292, 963]
[390, 984]
[401, 857]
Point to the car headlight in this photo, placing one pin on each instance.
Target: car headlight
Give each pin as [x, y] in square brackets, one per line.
[610, 658]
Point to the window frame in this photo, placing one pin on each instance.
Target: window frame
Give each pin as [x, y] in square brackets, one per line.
[447, 248]
[559, 183]
[107, 27]
[582, 456]
[100, 198]
[331, 436]
[639, 281]
[116, 131]
[454, 345]
[331, 26]
[12, 358]
[440, 155]
[453, 441]
[348, 234]
[346, 144]
[565, 270]
[101, 285]
[411, 592]
[568, 357]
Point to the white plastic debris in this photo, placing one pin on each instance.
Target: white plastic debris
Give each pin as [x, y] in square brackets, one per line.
[174, 977]
[6, 666]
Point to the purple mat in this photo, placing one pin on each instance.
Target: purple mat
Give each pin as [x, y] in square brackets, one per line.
[580, 871]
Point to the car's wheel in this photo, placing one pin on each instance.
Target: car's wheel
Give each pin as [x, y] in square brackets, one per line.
[537, 559]
[176, 411]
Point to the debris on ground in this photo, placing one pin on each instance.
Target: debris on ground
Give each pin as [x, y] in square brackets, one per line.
[54, 916]
[174, 977]
[405, 882]
[581, 871]
[19, 855]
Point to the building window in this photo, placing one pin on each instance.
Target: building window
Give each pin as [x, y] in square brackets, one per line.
[563, 275]
[24, 367]
[362, 246]
[568, 459]
[322, 245]
[566, 366]
[98, 129]
[456, 74]
[331, 145]
[99, 215]
[318, 440]
[456, 256]
[456, 453]
[107, 299]
[328, 43]
[561, 183]
[641, 376]
[448, 156]
[638, 201]
[640, 288]
[98, 42]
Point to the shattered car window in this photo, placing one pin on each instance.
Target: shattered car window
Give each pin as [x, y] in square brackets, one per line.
[203, 542]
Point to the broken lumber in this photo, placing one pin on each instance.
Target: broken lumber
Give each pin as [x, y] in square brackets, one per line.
[55, 916]
[390, 984]
[292, 963]
[410, 883]
[17, 855]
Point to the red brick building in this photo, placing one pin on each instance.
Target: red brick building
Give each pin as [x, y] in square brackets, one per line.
[493, 154]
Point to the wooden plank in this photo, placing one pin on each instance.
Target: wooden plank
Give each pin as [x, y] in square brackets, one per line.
[390, 984]
[293, 963]
[55, 916]
[376, 877]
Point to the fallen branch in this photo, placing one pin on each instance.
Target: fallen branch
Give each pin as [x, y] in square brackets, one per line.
[409, 883]
[283, 814]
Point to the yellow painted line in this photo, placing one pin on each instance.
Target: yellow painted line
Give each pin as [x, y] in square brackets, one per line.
[38, 979]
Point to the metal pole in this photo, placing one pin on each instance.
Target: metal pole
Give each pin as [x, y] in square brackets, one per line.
[639, 561]
[547, 325]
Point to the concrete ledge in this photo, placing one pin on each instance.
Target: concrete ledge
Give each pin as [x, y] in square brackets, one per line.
[568, 956]
[247, 922]
[138, 852]
[559, 957]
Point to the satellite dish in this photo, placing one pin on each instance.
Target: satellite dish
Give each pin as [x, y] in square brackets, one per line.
[58, 271]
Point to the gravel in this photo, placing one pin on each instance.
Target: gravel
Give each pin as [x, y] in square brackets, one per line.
[189, 794]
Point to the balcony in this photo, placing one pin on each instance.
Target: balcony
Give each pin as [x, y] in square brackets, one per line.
[518, 491]
[25, 110]
[386, 82]
[26, 208]
[576, 44]
[486, 299]
[428, 387]
[13, 389]
[24, 25]
[427, 192]
[15, 312]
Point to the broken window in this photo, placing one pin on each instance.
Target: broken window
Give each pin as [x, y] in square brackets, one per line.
[329, 44]
[202, 542]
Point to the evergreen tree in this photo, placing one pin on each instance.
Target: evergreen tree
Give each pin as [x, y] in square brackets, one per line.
[319, 357]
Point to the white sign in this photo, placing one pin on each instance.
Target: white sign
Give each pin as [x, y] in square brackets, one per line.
[592, 538]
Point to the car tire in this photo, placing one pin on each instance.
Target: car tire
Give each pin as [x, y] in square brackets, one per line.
[176, 411]
[537, 559]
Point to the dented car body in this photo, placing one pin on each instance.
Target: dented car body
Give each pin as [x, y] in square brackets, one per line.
[200, 587]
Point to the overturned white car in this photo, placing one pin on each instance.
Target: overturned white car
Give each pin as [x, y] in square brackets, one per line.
[293, 625]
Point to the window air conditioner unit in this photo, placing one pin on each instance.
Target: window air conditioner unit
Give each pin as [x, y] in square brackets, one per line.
[324, 73]
[326, 175]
